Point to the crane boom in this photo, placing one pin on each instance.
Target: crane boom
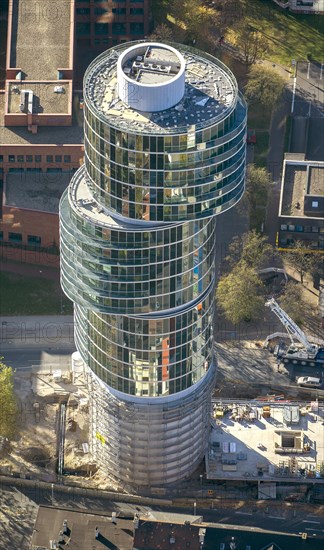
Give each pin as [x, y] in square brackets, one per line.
[293, 330]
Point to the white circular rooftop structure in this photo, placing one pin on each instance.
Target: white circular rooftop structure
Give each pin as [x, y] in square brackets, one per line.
[151, 77]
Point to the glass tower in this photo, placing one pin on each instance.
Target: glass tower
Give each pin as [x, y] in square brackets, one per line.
[165, 134]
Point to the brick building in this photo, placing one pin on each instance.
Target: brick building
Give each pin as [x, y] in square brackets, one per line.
[101, 24]
[301, 205]
[41, 122]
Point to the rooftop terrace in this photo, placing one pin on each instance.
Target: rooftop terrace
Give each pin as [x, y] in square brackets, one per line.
[36, 190]
[280, 442]
[84, 203]
[210, 94]
[40, 42]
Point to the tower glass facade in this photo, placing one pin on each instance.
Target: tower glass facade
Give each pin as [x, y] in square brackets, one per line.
[164, 153]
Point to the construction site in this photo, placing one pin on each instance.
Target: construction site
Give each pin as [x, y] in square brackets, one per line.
[266, 429]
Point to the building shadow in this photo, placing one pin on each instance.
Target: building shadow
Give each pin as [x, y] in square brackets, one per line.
[107, 543]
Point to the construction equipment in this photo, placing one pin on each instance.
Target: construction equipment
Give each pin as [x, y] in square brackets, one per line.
[305, 353]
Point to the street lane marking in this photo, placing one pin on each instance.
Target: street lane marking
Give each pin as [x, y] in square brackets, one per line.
[308, 67]
[276, 517]
[310, 521]
[244, 513]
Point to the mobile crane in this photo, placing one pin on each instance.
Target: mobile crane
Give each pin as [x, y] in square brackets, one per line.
[306, 354]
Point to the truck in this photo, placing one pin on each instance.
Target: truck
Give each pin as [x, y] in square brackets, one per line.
[301, 352]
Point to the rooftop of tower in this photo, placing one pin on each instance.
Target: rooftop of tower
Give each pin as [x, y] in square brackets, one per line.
[156, 64]
[210, 90]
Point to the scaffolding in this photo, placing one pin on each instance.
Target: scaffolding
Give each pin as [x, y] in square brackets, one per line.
[145, 443]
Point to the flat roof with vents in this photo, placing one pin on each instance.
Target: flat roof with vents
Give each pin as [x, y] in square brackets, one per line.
[210, 90]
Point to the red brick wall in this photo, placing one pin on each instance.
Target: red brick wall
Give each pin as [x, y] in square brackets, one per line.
[76, 153]
[29, 222]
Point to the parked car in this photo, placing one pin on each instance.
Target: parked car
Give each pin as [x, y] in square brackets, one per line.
[251, 137]
[309, 382]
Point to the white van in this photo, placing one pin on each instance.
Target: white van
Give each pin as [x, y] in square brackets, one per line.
[309, 382]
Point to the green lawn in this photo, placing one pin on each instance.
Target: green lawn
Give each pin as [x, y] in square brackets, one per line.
[20, 295]
[259, 117]
[292, 36]
[261, 148]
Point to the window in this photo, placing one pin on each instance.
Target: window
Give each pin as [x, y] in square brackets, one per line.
[1, 235]
[12, 158]
[314, 204]
[137, 28]
[29, 158]
[100, 11]
[83, 11]
[38, 158]
[101, 28]
[16, 170]
[34, 239]
[20, 158]
[34, 170]
[291, 228]
[49, 158]
[283, 227]
[118, 28]
[67, 158]
[58, 158]
[119, 11]
[54, 170]
[1, 158]
[82, 29]
[315, 229]
[15, 237]
[136, 11]
[299, 228]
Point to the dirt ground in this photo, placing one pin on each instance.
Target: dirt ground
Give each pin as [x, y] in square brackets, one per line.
[34, 449]
[33, 452]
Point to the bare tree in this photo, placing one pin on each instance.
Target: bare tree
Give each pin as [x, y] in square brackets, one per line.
[252, 249]
[162, 33]
[299, 258]
[252, 43]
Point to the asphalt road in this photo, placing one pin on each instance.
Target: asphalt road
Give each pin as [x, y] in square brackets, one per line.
[309, 98]
[25, 359]
[37, 343]
[307, 108]
[19, 509]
